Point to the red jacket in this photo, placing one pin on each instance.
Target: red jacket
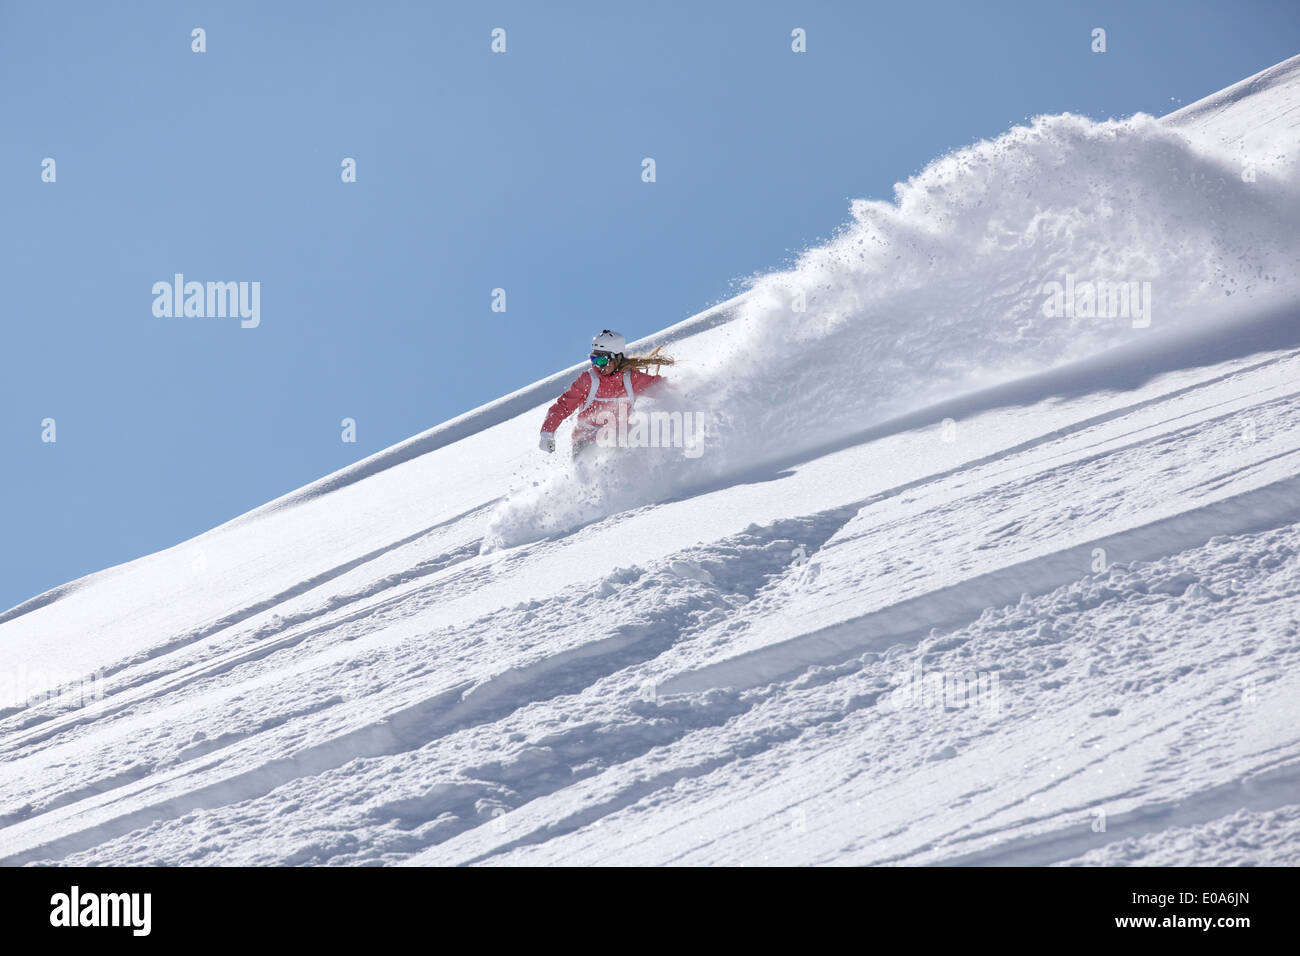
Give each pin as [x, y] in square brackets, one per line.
[610, 390]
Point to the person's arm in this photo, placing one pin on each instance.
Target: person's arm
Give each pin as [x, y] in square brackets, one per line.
[562, 408]
[644, 382]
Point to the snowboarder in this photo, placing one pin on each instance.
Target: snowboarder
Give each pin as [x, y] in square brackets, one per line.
[613, 378]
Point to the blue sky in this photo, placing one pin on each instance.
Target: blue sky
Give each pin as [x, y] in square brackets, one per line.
[475, 171]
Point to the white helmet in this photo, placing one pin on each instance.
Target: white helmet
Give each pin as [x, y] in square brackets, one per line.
[607, 341]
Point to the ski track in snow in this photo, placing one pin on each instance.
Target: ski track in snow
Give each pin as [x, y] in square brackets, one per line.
[441, 656]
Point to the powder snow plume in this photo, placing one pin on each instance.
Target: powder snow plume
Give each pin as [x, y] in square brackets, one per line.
[943, 291]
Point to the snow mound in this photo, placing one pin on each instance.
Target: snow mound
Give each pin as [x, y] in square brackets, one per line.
[948, 288]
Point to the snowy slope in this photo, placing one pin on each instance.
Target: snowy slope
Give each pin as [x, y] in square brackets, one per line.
[953, 581]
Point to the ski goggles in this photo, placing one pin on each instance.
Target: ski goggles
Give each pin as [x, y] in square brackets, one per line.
[600, 359]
